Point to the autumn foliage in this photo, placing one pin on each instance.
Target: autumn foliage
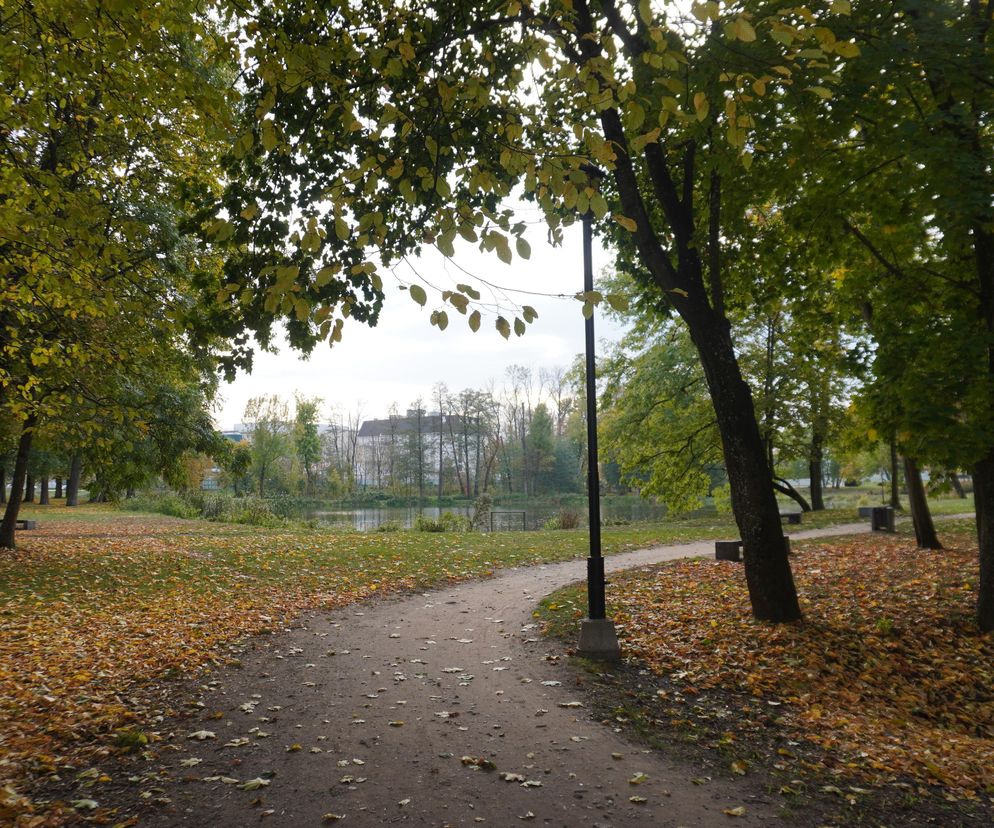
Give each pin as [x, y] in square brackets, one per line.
[887, 672]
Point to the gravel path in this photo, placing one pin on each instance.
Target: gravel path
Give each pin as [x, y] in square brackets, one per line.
[384, 700]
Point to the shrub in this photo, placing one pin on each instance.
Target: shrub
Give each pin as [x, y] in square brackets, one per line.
[481, 512]
[564, 519]
[446, 522]
[388, 526]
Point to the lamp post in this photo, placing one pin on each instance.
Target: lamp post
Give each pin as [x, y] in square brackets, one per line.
[598, 638]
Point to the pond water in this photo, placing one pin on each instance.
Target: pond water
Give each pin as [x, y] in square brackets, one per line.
[529, 515]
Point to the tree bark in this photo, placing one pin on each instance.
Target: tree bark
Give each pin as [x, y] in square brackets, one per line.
[43, 491]
[815, 474]
[29, 489]
[767, 570]
[784, 487]
[3, 485]
[957, 485]
[920, 514]
[72, 484]
[895, 497]
[983, 499]
[58, 488]
[17, 485]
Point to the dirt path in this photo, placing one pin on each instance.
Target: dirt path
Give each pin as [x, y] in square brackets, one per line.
[384, 700]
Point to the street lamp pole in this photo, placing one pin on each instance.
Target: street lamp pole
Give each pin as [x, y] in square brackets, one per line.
[598, 638]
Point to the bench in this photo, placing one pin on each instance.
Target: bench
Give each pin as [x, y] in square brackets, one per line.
[866, 511]
[21, 523]
[791, 517]
[732, 550]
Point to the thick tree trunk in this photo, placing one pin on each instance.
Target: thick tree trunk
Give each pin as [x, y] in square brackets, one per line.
[58, 488]
[983, 499]
[43, 491]
[767, 570]
[3, 485]
[72, 484]
[815, 475]
[895, 496]
[29, 489]
[920, 514]
[17, 485]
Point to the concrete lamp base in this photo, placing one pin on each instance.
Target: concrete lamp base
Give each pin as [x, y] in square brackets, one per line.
[599, 640]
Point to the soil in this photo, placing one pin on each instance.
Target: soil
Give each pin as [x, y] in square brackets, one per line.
[438, 709]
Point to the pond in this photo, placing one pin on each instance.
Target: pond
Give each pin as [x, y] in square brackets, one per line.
[524, 515]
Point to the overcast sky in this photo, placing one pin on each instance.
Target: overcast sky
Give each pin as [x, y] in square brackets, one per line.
[404, 356]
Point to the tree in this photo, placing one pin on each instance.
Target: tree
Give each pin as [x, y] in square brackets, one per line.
[307, 441]
[906, 180]
[267, 420]
[387, 128]
[541, 449]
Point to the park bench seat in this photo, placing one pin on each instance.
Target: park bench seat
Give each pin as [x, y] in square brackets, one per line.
[22, 523]
[732, 550]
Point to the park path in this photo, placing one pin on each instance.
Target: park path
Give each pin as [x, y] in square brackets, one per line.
[384, 700]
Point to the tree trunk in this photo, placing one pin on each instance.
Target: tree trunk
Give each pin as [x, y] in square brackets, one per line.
[17, 485]
[957, 485]
[983, 499]
[262, 482]
[72, 484]
[58, 488]
[43, 492]
[129, 493]
[767, 570]
[3, 485]
[815, 475]
[920, 514]
[29, 489]
[895, 498]
[784, 487]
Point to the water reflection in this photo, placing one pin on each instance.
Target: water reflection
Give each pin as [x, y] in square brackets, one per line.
[505, 518]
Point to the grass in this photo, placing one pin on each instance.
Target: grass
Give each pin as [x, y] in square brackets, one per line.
[98, 605]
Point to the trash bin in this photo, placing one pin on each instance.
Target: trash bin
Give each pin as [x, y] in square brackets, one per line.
[882, 519]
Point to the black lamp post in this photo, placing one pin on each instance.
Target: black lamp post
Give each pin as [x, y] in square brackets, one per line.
[598, 638]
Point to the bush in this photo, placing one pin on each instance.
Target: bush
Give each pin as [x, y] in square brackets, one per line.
[388, 526]
[217, 506]
[481, 513]
[564, 519]
[164, 504]
[447, 522]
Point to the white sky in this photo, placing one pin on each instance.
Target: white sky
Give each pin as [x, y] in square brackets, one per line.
[404, 356]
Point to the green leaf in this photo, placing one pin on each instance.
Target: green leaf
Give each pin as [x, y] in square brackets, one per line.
[442, 320]
[529, 313]
[618, 302]
[503, 327]
[519, 327]
[418, 294]
[598, 206]
[524, 249]
[474, 321]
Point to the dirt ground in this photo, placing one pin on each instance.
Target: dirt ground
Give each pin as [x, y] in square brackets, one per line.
[435, 709]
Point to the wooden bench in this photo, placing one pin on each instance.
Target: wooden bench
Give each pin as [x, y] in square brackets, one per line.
[22, 523]
[732, 550]
[866, 511]
[791, 517]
